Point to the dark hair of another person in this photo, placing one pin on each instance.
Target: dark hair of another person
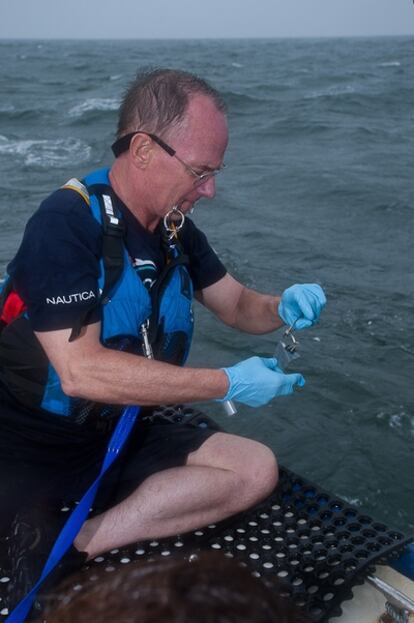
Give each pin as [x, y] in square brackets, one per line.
[210, 589]
[157, 100]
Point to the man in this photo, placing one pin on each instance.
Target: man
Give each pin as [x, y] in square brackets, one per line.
[69, 361]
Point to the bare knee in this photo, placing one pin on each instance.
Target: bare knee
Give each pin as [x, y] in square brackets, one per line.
[262, 473]
[254, 467]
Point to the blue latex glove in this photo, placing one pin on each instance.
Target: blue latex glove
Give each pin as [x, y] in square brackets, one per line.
[257, 380]
[301, 305]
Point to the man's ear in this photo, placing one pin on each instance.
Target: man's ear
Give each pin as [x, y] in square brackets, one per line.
[141, 150]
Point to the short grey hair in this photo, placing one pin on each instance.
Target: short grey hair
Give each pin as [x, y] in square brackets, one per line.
[157, 100]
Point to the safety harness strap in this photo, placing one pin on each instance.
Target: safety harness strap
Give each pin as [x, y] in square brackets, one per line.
[113, 237]
[157, 291]
[112, 249]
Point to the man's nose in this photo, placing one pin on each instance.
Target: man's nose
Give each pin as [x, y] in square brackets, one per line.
[208, 188]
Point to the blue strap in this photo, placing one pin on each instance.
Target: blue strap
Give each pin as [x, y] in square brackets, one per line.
[79, 514]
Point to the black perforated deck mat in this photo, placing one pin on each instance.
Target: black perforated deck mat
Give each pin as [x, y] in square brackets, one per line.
[316, 544]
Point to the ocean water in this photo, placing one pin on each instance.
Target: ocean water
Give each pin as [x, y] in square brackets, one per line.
[318, 187]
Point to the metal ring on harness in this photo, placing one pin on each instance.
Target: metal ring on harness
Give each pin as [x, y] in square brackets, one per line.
[174, 226]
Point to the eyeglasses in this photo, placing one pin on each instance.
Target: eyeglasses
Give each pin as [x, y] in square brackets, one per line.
[123, 143]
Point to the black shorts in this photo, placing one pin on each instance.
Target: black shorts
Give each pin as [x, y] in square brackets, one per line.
[155, 446]
[37, 471]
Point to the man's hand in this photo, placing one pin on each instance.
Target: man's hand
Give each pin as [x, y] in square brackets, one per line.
[301, 305]
[258, 380]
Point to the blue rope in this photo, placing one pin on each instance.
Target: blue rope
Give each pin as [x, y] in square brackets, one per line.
[78, 515]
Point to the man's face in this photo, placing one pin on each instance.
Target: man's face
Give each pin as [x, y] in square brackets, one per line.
[200, 143]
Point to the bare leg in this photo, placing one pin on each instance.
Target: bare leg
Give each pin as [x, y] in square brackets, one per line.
[226, 475]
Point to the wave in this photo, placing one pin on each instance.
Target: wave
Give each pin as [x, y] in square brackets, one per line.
[390, 64]
[7, 108]
[398, 418]
[46, 153]
[94, 104]
[332, 91]
[10, 112]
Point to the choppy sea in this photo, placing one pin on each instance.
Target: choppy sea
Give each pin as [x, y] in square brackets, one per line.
[319, 186]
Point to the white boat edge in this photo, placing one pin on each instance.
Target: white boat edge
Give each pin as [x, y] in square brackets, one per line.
[368, 603]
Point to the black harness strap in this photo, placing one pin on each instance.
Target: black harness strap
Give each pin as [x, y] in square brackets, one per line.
[112, 250]
[157, 291]
[113, 260]
[113, 239]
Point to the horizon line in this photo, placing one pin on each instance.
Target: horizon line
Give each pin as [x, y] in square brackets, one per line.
[203, 38]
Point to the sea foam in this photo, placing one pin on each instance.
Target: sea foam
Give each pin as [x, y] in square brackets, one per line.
[391, 64]
[46, 153]
[94, 104]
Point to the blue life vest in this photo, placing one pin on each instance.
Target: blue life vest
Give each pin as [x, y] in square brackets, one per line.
[166, 308]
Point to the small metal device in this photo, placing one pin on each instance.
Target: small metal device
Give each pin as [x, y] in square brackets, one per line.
[146, 344]
[285, 353]
[229, 407]
[286, 349]
[173, 222]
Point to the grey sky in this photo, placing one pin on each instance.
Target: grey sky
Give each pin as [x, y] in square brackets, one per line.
[209, 18]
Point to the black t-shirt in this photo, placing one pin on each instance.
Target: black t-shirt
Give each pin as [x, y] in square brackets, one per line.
[56, 271]
[56, 268]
